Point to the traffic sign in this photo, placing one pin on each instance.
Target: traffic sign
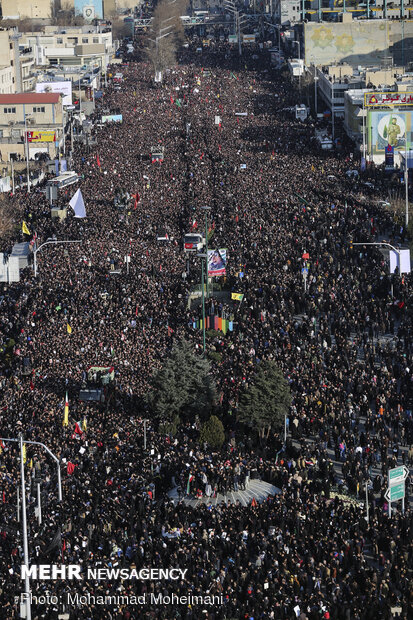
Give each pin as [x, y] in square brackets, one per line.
[398, 491]
[397, 475]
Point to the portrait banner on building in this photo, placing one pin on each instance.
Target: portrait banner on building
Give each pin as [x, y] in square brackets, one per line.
[389, 129]
[217, 262]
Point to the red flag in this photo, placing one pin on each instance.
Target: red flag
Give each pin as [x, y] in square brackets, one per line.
[137, 199]
[202, 156]
[170, 331]
[306, 255]
[78, 430]
[70, 468]
[31, 386]
[97, 160]
[254, 502]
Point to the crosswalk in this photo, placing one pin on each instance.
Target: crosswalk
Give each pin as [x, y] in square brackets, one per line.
[257, 489]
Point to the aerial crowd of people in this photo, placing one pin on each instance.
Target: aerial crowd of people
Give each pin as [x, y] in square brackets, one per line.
[326, 312]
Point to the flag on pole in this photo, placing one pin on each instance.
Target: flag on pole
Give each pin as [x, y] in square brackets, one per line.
[78, 430]
[24, 454]
[69, 329]
[84, 424]
[78, 204]
[25, 230]
[66, 416]
[188, 486]
[237, 296]
[98, 160]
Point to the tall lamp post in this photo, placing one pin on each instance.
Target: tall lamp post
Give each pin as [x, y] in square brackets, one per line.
[299, 63]
[203, 257]
[26, 142]
[206, 209]
[55, 241]
[26, 600]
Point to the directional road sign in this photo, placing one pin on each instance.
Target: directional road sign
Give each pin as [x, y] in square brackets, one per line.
[397, 475]
[396, 492]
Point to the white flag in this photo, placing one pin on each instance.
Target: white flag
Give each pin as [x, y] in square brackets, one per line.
[78, 205]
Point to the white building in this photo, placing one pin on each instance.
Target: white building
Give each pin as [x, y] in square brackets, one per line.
[287, 12]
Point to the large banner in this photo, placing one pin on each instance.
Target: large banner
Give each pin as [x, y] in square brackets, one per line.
[41, 136]
[112, 118]
[57, 87]
[217, 262]
[89, 9]
[387, 128]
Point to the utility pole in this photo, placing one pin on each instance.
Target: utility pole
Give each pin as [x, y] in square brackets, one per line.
[25, 542]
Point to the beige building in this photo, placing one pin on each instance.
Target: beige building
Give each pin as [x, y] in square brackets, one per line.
[30, 120]
[18, 9]
[16, 63]
[71, 47]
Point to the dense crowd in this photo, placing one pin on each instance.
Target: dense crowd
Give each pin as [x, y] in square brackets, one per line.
[279, 206]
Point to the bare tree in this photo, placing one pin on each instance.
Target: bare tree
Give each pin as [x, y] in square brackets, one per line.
[6, 217]
[166, 35]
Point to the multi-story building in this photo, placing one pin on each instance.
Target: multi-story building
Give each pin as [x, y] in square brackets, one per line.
[30, 121]
[19, 9]
[71, 46]
[16, 63]
[287, 12]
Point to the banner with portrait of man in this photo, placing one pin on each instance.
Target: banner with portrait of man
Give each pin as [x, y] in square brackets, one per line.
[217, 262]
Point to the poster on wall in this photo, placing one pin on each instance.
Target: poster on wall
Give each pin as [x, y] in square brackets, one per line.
[89, 9]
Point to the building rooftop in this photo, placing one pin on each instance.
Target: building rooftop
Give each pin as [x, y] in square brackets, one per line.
[30, 98]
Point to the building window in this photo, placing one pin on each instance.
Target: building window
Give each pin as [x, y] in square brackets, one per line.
[40, 110]
[59, 41]
[95, 39]
[85, 40]
[9, 110]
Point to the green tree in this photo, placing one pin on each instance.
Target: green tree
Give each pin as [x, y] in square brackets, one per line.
[265, 403]
[183, 387]
[212, 432]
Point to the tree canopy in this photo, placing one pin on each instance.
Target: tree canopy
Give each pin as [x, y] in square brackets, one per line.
[212, 432]
[183, 387]
[265, 403]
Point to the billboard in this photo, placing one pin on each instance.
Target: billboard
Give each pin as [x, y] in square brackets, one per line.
[381, 99]
[112, 118]
[57, 87]
[89, 9]
[389, 128]
[363, 43]
[217, 262]
[41, 136]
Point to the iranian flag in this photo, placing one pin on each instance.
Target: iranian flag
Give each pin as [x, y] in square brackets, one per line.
[188, 486]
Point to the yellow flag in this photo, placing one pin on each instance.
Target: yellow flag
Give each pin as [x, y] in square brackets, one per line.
[24, 454]
[312, 167]
[84, 425]
[31, 463]
[69, 329]
[237, 296]
[66, 416]
[25, 229]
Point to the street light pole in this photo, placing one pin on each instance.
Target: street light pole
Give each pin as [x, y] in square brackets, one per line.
[26, 142]
[206, 209]
[25, 542]
[47, 243]
[202, 257]
[203, 308]
[299, 64]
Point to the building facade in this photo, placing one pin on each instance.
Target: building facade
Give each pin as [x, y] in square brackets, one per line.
[30, 121]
